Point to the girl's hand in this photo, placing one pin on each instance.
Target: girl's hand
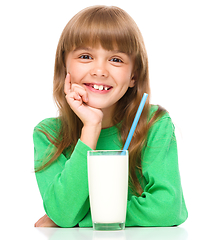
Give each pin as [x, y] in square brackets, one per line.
[45, 221]
[77, 99]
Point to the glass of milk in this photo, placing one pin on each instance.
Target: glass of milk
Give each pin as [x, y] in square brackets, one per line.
[108, 188]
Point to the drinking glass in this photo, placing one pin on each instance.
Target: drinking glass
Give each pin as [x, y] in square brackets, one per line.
[108, 188]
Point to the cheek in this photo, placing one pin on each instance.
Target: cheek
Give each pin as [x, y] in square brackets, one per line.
[125, 82]
[124, 75]
[76, 73]
[128, 81]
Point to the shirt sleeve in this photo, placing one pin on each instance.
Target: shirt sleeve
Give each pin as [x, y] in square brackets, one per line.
[162, 202]
[64, 184]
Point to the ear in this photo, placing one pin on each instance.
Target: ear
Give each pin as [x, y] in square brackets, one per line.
[132, 82]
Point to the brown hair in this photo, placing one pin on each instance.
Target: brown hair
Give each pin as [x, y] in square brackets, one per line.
[111, 27]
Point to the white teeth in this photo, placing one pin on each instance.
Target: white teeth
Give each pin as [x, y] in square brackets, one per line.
[96, 87]
[100, 87]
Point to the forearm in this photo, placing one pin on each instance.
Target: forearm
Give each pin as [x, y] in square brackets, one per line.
[64, 193]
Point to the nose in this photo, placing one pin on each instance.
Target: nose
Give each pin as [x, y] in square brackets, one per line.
[99, 69]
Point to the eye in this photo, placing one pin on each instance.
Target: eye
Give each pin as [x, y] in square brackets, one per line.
[86, 57]
[116, 60]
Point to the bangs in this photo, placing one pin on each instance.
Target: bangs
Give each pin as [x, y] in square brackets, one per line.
[109, 27]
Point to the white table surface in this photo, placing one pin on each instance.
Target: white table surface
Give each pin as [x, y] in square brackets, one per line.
[127, 234]
[134, 233]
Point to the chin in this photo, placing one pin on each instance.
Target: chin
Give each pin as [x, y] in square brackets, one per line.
[101, 105]
[95, 105]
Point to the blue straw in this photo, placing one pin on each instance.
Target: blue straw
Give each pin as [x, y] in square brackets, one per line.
[136, 119]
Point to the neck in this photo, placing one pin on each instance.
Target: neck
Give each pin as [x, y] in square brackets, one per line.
[107, 118]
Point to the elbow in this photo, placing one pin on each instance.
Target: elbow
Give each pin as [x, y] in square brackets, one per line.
[172, 210]
[168, 219]
[176, 215]
[66, 217]
[171, 214]
[62, 221]
[61, 218]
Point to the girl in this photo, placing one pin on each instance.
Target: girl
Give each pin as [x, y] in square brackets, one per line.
[101, 73]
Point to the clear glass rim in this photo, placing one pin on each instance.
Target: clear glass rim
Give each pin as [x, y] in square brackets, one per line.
[95, 151]
[107, 152]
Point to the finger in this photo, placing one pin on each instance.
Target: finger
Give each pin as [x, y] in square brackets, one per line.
[73, 96]
[67, 84]
[47, 222]
[40, 221]
[80, 91]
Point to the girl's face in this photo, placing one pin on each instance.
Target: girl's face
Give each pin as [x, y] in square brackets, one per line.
[105, 75]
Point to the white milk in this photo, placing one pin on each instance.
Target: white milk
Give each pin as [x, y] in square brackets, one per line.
[108, 187]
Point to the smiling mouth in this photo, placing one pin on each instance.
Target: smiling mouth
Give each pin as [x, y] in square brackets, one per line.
[99, 87]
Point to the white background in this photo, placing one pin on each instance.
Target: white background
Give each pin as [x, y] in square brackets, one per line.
[29, 33]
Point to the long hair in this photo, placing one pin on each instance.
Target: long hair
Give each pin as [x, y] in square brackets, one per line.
[110, 27]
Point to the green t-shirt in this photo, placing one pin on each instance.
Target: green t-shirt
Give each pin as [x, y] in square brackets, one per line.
[64, 184]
